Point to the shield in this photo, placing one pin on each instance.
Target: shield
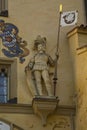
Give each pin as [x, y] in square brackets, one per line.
[31, 82]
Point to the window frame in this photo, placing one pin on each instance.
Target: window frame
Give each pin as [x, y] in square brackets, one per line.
[4, 78]
[4, 8]
[12, 76]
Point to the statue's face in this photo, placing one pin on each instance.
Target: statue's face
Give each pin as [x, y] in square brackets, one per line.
[41, 47]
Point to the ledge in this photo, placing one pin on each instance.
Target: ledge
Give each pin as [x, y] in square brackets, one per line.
[82, 49]
[79, 29]
[16, 108]
[66, 110]
[27, 109]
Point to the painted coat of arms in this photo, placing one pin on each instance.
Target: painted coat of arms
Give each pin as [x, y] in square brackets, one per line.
[14, 46]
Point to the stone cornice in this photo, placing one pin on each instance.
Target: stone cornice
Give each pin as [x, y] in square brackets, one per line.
[16, 108]
[79, 29]
[27, 109]
[66, 110]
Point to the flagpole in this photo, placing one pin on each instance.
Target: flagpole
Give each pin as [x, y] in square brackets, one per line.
[57, 52]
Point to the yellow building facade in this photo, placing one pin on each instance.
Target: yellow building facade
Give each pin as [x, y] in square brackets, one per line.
[19, 110]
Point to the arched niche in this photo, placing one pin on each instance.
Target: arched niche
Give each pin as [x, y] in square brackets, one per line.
[4, 126]
[7, 125]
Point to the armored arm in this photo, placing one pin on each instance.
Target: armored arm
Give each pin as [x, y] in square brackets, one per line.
[51, 61]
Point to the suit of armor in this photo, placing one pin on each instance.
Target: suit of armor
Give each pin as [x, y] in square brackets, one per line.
[39, 65]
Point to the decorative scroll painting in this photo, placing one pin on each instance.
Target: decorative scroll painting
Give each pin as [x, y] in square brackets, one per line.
[14, 46]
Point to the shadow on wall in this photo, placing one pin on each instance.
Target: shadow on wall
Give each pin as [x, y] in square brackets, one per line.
[12, 100]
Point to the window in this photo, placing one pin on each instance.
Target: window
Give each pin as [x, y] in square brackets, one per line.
[85, 3]
[8, 81]
[4, 80]
[4, 8]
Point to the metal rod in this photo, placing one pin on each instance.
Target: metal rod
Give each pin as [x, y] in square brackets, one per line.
[57, 56]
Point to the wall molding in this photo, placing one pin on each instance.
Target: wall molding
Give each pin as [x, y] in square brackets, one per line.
[28, 109]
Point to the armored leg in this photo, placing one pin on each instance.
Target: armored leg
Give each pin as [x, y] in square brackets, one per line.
[47, 81]
[38, 82]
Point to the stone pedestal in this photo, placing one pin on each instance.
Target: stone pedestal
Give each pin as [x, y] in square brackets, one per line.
[44, 106]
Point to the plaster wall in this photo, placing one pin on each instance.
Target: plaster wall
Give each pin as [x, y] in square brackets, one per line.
[28, 122]
[79, 56]
[34, 17]
[41, 17]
